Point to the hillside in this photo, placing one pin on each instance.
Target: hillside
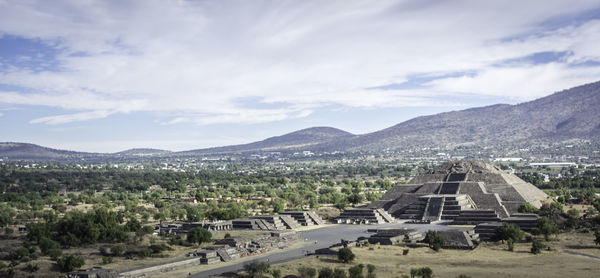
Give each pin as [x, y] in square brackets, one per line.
[30, 151]
[572, 113]
[301, 139]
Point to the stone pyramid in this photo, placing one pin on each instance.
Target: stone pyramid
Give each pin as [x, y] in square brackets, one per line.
[456, 186]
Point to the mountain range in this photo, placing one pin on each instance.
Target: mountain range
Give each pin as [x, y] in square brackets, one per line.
[569, 114]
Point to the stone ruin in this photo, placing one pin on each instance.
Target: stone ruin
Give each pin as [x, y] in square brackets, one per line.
[364, 216]
[468, 192]
[95, 272]
[305, 217]
[453, 238]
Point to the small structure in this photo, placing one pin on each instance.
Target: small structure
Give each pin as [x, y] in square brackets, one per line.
[364, 216]
[209, 225]
[305, 217]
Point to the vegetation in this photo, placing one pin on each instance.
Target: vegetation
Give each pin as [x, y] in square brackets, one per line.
[545, 227]
[198, 235]
[70, 262]
[257, 270]
[434, 240]
[345, 255]
[537, 246]
[307, 272]
[424, 272]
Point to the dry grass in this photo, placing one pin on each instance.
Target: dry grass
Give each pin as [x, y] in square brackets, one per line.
[488, 260]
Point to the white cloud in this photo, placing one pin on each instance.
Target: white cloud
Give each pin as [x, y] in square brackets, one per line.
[191, 60]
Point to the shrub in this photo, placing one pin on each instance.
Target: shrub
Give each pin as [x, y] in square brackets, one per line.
[537, 246]
[345, 255]
[326, 272]
[511, 244]
[356, 271]
[405, 252]
[32, 268]
[69, 263]
[370, 271]
[276, 273]
[307, 272]
[257, 269]
[117, 250]
[54, 254]
[424, 272]
[339, 273]
[47, 244]
[528, 208]
[227, 235]
[107, 260]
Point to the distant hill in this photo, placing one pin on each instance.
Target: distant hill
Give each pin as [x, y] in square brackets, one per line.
[142, 152]
[31, 151]
[302, 139]
[569, 114]
[565, 115]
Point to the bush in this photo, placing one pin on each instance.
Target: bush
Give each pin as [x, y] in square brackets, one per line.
[326, 272]
[47, 244]
[434, 240]
[107, 260]
[345, 255]
[307, 272]
[227, 235]
[69, 263]
[54, 254]
[117, 250]
[511, 244]
[276, 273]
[257, 269]
[537, 246]
[370, 271]
[339, 273]
[31, 268]
[356, 271]
[405, 252]
[424, 272]
[463, 276]
[528, 208]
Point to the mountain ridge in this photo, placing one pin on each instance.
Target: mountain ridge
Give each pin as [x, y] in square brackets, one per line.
[568, 114]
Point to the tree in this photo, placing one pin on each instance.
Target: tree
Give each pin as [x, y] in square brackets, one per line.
[356, 271]
[345, 255]
[509, 231]
[545, 227]
[537, 246]
[597, 235]
[307, 272]
[198, 235]
[434, 240]
[276, 273]
[69, 263]
[370, 271]
[47, 244]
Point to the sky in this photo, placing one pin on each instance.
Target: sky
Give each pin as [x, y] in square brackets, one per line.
[105, 76]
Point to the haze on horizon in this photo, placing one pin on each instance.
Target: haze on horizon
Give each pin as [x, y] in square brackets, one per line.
[107, 76]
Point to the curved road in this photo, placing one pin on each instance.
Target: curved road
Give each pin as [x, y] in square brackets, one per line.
[322, 238]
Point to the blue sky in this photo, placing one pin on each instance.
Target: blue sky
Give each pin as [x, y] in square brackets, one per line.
[111, 75]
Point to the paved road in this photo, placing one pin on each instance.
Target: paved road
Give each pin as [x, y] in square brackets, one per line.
[320, 238]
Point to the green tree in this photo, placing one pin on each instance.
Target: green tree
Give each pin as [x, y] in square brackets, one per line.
[345, 255]
[424, 272]
[545, 227]
[47, 244]
[370, 271]
[597, 235]
[537, 246]
[117, 250]
[198, 235]
[69, 263]
[434, 240]
[509, 231]
[356, 271]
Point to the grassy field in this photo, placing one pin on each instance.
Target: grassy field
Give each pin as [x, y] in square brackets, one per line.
[488, 260]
